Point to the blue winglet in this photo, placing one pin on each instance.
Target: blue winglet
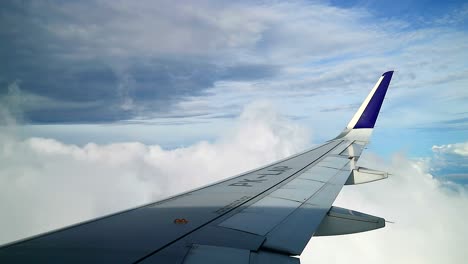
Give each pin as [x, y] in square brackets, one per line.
[372, 109]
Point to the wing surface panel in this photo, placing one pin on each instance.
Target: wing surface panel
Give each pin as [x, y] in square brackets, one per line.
[298, 190]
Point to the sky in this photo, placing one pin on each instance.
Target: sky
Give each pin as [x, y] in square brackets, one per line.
[100, 103]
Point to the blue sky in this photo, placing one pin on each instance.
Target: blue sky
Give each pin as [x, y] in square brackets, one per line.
[405, 9]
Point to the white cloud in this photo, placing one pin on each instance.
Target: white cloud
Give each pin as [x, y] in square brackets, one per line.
[239, 30]
[427, 61]
[45, 184]
[450, 162]
[460, 149]
[429, 218]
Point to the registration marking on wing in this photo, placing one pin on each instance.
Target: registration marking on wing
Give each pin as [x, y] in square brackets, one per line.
[262, 176]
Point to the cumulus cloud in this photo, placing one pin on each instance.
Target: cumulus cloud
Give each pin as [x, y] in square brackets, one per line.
[450, 162]
[460, 149]
[46, 184]
[429, 218]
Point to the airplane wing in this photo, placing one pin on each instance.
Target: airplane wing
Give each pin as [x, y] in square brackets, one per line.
[266, 215]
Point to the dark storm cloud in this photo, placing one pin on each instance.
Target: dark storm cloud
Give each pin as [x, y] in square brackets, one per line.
[164, 78]
[150, 87]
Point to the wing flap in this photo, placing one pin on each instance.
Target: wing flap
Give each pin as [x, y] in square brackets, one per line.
[265, 257]
[341, 221]
[364, 175]
[214, 255]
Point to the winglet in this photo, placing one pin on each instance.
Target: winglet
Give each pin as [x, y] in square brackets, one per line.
[367, 114]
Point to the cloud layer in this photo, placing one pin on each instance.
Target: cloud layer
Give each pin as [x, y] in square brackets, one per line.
[460, 149]
[45, 184]
[450, 162]
[102, 62]
[429, 218]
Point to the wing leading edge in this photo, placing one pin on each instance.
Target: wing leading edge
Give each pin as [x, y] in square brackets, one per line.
[263, 216]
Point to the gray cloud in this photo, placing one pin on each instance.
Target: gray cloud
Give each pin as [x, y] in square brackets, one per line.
[463, 120]
[106, 61]
[102, 70]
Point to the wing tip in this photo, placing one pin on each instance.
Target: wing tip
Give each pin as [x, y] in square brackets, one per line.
[371, 108]
[388, 73]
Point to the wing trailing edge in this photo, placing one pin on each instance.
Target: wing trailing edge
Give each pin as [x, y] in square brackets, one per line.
[341, 221]
[362, 175]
